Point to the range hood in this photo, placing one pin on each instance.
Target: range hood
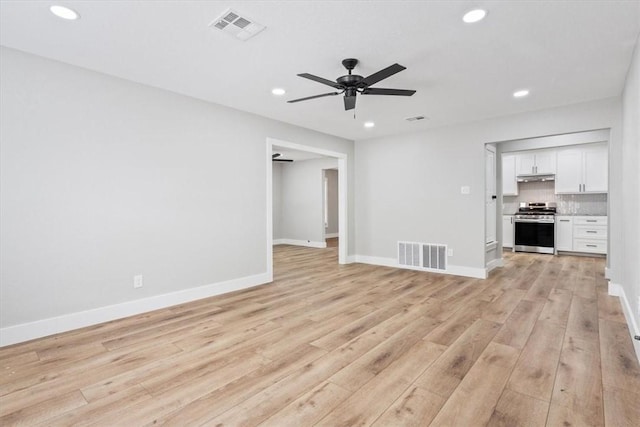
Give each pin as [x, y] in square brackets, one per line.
[536, 177]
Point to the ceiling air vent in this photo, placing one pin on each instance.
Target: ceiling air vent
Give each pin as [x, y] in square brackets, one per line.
[415, 119]
[236, 25]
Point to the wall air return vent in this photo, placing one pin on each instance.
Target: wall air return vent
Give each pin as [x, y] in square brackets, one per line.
[427, 256]
[434, 256]
[237, 25]
[409, 254]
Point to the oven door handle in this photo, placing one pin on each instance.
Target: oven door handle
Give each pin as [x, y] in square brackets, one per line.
[534, 221]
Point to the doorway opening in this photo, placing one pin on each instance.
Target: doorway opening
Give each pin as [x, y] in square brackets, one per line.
[311, 169]
[330, 201]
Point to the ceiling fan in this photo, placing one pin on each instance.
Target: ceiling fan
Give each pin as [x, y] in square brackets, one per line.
[274, 157]
[352, 84]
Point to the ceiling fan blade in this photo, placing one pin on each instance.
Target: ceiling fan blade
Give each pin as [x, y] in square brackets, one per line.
[380, 91]
[282, 160]
[382, 74]
[314, 97]
[349, 102]
[321, 80]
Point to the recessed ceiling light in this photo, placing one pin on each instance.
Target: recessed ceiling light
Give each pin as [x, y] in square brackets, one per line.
[474, 16]
[64, 12]
[520, 93]
[278, 91]
[369, 124]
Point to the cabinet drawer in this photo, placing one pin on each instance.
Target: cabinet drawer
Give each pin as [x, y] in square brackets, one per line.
[590, 220]
[590, 232]
[591, 246]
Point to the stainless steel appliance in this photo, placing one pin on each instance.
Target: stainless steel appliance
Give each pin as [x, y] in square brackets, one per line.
[534, 228]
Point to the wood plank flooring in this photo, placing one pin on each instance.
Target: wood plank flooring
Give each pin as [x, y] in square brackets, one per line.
[538, 343]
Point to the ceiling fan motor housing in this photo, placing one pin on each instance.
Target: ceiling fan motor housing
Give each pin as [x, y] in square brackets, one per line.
[350, 80]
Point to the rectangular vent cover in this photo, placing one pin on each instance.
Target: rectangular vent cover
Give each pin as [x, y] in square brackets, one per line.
[409, 254]
[423, 255]
[243, 27]
[434, 256]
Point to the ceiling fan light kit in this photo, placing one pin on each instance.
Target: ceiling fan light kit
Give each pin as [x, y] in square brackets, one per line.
[352, 84]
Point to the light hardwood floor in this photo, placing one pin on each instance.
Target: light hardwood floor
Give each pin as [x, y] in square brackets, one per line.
[538, 343]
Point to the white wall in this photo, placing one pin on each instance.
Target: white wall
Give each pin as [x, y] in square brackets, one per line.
[102, 179]
[332, 199]
[630, 277]
[277, 200]
[302, 199]
[408, 186]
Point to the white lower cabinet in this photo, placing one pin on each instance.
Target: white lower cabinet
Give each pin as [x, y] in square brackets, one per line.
[581, 234]
[507, 231]
[564, 233]
[590, 246]
[590, 234]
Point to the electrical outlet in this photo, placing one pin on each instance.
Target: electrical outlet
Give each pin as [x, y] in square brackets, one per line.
[137, 281]
[449, 252]
[465, 189]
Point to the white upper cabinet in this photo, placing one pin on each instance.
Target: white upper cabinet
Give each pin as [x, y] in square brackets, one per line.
[570, 171]
[536, 162]
[582, 169]
[596, 169]
[509, 181]
[546, 162]
[526, 164]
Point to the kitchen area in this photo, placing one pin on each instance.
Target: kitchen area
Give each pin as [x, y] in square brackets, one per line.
[554, 199]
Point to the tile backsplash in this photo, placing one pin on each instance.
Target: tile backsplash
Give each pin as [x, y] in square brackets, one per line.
[568, 204]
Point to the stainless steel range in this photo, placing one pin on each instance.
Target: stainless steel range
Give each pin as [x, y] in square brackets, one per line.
[534, 228]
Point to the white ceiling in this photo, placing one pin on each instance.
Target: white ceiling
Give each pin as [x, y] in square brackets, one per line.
[563, 51]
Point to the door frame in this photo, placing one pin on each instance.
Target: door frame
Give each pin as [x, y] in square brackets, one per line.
[342, 196]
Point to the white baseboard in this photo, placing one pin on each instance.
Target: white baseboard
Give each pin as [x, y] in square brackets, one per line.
[494, 263]
[456, 270]
[330, 235]
[68, 322]
[350, 259]
[618, 291]
[295, 242]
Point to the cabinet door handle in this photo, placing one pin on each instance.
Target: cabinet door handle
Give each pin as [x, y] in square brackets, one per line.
[564, 220]
[592, 231]
[592, 220]
[592, 246]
